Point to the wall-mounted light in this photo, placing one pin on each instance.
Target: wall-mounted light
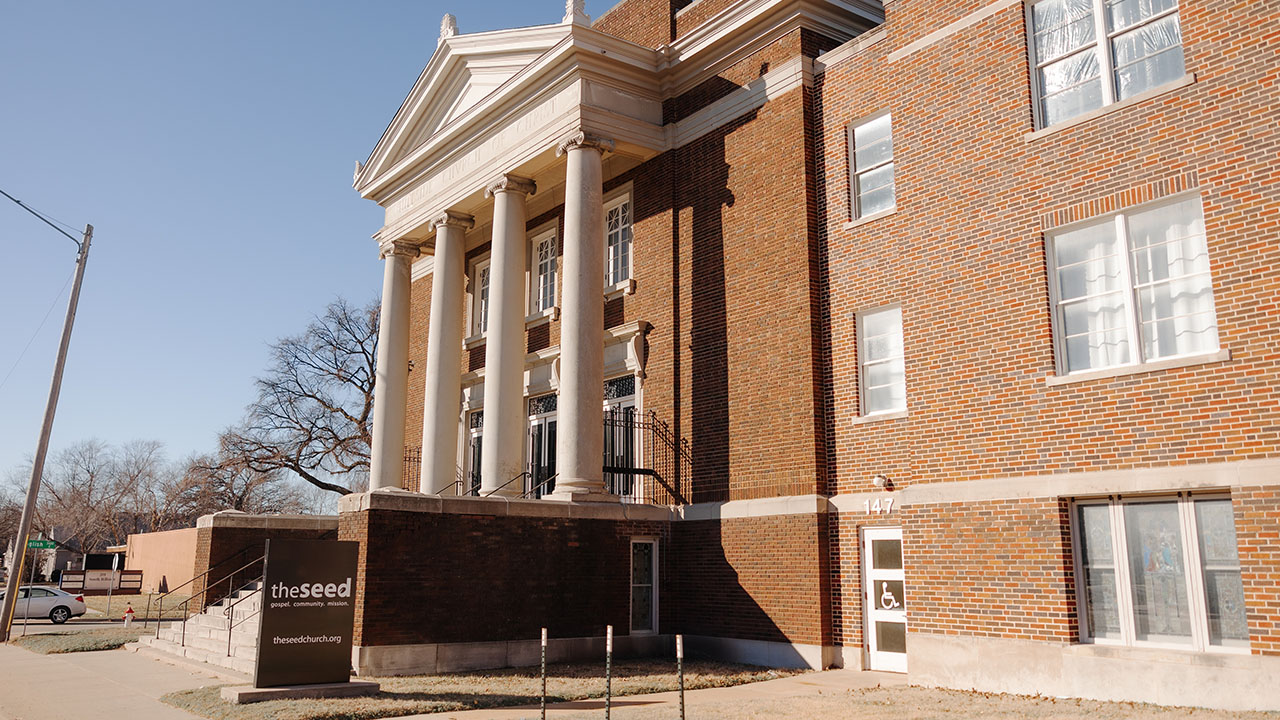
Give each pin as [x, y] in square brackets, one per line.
[880, 481]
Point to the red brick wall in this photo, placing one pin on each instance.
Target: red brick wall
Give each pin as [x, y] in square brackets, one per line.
[753, 578]
[964, 253]
[1257, 511]
[997, 568]
[419, 315]
[644, 22]
[441, 578]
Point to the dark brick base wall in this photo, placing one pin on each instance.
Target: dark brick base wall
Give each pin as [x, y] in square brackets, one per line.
[229, 548]
[445, 578]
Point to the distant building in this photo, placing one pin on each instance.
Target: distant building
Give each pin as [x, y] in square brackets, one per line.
[937, 337]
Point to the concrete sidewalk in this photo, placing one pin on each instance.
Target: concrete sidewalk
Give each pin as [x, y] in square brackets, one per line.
[106, 685]
[666, 705]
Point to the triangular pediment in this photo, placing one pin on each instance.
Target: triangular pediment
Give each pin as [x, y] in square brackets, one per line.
[464, 70]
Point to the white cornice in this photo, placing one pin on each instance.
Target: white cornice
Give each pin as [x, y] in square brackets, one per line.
[743, 28]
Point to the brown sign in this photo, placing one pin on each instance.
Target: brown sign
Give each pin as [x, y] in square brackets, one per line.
[308, 612]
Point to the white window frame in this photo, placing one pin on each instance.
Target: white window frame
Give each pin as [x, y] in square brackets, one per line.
[480, 298]
[856, 173]
[536, 306]
[471, 434]
[1102, 42]
[612, 282]
[863, 363]
[1192, 570]
[1137, 352]
[653, 587]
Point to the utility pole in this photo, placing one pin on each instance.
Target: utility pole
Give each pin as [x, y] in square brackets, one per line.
[42, 449]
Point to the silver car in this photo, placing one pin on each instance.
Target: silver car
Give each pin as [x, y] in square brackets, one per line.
[47, 602]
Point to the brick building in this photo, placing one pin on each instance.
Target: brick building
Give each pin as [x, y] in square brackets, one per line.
[936, 337]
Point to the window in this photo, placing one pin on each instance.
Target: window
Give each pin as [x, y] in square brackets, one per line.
[621, 435]
[1090, 53]
[1160, 571]
[617, 215]
[543, 285]
[883, 373]
[475, 448]
[871, 153]
[542, 445]
[644, 586]
[1133, 288]
[480, 307]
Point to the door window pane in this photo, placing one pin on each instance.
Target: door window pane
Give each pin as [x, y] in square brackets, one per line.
[1157, 572]
[886, 554]
[891, 637]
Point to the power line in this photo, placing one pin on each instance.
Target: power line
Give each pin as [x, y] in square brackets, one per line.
[47, 221]
[47, 313]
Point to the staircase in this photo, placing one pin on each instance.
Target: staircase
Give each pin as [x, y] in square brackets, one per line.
[206, 633]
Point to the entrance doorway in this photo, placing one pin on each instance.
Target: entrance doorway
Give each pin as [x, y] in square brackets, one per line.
[884, 599]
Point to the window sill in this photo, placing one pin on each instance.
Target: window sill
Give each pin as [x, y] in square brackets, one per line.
[876, 417]
[1217, 656]
[618, 289]
[473, 342]
[869, 218]
[1168, 87]
[1219, 356]
[542, 317]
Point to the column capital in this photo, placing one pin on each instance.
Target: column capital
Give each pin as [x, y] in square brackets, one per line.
[453, 218]
[399, 248]
[511, 183]
[583, 139]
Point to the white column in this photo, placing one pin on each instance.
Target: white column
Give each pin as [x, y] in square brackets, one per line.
[580, 435]
[391, 382]
[502, 454]
[444, 355]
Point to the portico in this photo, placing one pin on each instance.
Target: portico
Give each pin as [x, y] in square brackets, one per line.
[578, 105]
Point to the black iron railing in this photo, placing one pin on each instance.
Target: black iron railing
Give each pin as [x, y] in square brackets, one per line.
[644, 462]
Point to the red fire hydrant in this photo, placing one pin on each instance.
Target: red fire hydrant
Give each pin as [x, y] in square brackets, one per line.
[128, 615]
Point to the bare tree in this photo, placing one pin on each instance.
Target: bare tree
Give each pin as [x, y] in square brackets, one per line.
[221, 483]
[314, 408]
[82, 497]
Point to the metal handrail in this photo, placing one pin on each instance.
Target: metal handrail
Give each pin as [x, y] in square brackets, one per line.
[533, 490]
[229, 611]
[186, 604]
[160, 600]
[455, 484]
[503, 485]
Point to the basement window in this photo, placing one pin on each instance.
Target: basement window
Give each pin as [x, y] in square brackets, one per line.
[1160, 572]
[644, 586]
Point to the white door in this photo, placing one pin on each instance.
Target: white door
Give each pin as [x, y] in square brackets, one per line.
[885, 599]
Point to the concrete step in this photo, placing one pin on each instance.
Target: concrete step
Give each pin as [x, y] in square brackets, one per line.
[207, 651]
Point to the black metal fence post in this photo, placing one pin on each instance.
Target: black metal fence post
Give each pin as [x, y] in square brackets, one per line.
[608, 669]
[543, 701]
[680, 670]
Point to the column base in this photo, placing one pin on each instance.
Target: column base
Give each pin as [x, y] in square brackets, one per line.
[580, 494]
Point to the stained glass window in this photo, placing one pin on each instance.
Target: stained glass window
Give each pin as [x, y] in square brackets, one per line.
[1161, 571]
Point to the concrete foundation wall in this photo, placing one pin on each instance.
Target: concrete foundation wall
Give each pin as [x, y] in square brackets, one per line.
[1097, 672]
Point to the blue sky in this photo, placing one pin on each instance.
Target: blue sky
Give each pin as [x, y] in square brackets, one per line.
[211, 146]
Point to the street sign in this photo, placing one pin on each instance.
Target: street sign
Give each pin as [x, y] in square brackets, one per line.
[41, 545]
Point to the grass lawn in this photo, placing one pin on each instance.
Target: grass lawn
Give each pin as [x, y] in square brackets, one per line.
[416, 694]
[172, 605]
[70, 641]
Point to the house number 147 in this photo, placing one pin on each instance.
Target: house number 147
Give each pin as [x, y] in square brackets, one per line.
[878, 506]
